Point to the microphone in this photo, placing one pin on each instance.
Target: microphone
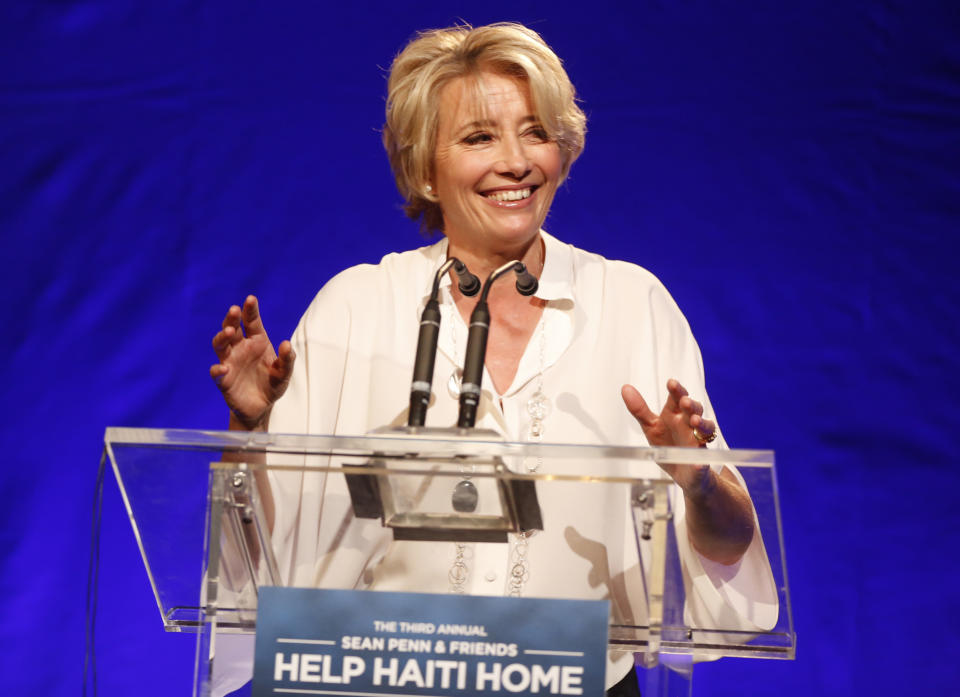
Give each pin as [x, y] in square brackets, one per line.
[468, 284]
[477, 341]
[427, 340]
[527, 283]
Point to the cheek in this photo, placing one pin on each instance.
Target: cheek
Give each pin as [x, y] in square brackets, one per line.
[467, 171]
[552, 163]
[456, 172]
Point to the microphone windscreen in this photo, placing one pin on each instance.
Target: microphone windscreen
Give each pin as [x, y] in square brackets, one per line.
[527, 283]
[470, 285]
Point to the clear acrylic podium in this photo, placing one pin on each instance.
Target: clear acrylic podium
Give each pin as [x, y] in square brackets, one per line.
[200, 516]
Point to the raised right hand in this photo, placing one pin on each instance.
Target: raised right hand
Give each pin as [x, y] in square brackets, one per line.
[250, 374]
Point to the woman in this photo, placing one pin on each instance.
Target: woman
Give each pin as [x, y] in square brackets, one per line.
[481, 129]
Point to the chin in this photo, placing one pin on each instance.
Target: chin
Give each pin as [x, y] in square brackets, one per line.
[516, 230]
[516, 237]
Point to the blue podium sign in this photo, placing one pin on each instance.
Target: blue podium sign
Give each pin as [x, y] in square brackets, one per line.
[365, 643]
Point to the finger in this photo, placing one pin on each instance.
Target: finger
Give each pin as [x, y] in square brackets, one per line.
[232, 318]
[675, 392]
[224, 340]
[637, 406]
[703, 432]
[218, 371]
[251, 316]
[690, 406]
[706, 427]
[226, 337]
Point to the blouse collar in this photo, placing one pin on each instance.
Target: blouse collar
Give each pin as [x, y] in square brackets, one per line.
[556, 279]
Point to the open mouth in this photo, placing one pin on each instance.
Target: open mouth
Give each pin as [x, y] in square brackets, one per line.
[506, 195]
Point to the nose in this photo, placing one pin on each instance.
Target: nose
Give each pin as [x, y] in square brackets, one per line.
[514, 161]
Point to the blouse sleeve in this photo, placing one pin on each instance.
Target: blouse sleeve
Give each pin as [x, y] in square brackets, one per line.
[740, 596]
[307, 550]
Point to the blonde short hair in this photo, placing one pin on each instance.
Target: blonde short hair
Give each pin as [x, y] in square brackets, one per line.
[436, 57]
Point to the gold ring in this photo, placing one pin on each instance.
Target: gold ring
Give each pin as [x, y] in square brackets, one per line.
[702, 439]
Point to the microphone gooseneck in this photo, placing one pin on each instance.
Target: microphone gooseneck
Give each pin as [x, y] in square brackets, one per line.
[477, 341]
[427, 340]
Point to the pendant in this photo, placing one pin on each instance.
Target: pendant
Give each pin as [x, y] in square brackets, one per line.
[465, 497]
[539, 406]
[453, 384]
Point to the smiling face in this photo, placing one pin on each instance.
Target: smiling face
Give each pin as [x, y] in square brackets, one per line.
[495, 169]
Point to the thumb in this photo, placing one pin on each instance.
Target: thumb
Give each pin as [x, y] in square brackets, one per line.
[637, 406]
[282, 367]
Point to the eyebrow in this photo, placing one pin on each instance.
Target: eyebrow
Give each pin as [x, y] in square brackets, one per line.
[485, 123]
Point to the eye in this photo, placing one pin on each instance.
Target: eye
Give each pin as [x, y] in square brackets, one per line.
[538, 133]
[478, 138]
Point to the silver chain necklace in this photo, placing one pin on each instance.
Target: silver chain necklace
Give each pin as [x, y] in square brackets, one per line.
[538, 408]
[464, 495]
[458, 573]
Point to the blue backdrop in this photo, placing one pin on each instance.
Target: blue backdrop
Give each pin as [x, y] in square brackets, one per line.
[788, 169]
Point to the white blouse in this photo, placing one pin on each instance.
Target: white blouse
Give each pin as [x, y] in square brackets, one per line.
[606, 323]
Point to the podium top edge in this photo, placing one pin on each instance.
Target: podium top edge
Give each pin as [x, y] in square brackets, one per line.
[430, 442]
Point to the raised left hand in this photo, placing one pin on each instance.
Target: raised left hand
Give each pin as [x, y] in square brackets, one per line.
[673, 427]
[681, 415]
[719, 515]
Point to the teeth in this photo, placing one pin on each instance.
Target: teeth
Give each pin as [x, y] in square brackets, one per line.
[515, 195]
